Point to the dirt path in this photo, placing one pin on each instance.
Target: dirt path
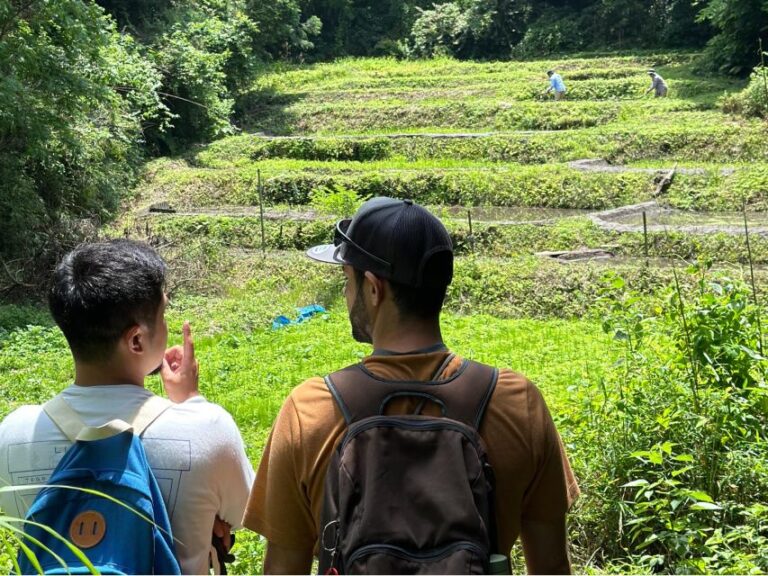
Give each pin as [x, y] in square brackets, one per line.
[479, 215]
[395, 135]
[609, 220]
[601, 165]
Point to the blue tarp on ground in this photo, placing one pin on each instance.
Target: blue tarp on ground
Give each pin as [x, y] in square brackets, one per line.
[305, 314]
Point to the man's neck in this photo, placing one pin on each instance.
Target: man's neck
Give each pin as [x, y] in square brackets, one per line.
[104, 375]
[407, 336]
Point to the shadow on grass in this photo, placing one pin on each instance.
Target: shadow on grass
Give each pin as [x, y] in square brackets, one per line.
[265, 110]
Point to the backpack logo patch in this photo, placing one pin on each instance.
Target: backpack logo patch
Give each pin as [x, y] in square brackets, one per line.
[87, 529]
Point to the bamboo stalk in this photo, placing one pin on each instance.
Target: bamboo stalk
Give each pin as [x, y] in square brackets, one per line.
[261, 214]
[689, 346]
[754, 285]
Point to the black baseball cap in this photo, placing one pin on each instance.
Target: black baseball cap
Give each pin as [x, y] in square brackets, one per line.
[393, 239]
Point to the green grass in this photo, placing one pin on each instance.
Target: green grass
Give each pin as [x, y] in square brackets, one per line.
[427, 182]
[448, 182]
[249, 369]
[695, 136]
[381, 74]
[394, 115]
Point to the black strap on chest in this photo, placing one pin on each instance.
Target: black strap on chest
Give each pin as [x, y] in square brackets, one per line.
[464, 396]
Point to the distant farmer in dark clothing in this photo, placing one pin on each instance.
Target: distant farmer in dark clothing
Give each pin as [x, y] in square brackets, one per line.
[657, 84]
[555, 83]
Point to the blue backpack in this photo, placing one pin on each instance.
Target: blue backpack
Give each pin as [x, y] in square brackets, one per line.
[117, 539]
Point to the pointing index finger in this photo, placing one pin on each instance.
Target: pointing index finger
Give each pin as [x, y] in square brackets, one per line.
[189, 345]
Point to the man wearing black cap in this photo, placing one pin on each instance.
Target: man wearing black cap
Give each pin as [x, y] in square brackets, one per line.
[398, 263]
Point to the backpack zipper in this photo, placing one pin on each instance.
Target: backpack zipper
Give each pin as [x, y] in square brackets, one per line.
[399, 422]
[419, 556]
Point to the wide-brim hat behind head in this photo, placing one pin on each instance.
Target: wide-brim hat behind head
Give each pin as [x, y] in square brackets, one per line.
[394, 239]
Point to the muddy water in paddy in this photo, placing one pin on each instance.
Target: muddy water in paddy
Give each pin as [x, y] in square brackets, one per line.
[506, 214]
[671, 217]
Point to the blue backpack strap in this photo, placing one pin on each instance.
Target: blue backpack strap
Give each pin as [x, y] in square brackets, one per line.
[109, 459]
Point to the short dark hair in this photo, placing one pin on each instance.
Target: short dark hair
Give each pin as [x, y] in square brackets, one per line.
[101, 289]
[426, 301]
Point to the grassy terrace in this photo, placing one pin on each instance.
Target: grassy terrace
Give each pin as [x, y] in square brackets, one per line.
[363, 96]
[454, 182]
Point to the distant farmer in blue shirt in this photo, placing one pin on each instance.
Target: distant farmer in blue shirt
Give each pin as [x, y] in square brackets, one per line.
[555, 83]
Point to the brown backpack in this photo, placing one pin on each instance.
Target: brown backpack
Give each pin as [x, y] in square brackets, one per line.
[409, 494]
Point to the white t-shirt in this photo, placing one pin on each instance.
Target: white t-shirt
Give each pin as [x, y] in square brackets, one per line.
[194, 449]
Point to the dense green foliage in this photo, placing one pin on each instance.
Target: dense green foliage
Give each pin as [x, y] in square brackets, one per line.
[205, 52]
[741, 25]
[753, 100]
[73, 97]
[677, 478]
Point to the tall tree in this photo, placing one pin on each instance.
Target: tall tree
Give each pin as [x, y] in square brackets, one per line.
[739, 24]
[73, 94]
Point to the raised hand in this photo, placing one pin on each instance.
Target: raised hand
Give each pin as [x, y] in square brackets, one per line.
[180, 371]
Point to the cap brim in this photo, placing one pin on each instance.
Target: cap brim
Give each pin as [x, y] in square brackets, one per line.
[325, 253]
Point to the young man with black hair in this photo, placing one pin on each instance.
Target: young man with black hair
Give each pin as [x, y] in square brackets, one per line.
[398, 263]
[109, 300]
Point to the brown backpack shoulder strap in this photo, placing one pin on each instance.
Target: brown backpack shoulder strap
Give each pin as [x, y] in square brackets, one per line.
[464, 396]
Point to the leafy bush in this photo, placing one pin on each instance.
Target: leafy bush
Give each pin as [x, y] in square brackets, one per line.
[439, 30]
[335, 200]
[739, 25]
[205, 56]
[554, 31]
[753, 100]
[359, 150]
[678, 478]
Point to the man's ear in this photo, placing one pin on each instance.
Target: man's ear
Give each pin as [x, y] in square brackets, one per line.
[134, 338]
[375, 288]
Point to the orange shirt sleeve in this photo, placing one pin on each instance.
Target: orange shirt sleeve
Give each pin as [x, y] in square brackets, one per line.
[553, 488]
[278, 508]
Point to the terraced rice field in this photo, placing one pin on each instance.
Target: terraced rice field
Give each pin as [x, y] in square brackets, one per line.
[480, 142]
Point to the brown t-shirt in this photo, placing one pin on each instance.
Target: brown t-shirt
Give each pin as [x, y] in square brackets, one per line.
[533, 476]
